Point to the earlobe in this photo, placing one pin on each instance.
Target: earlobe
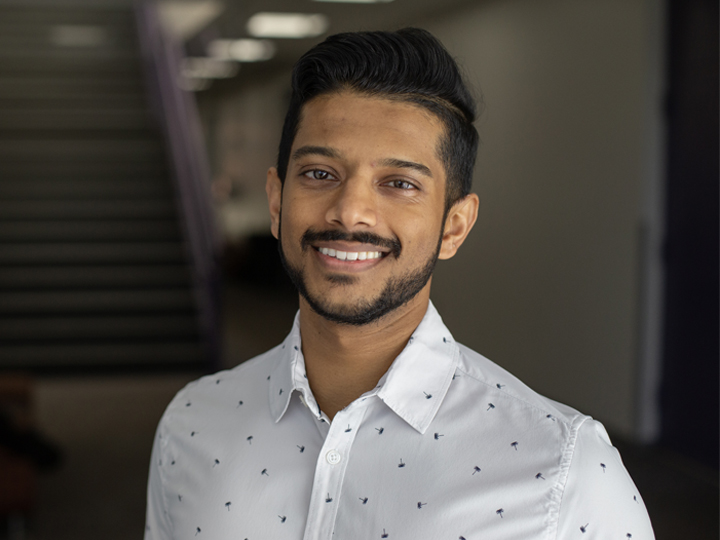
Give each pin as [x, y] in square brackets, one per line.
[460, 221]
[273, 188]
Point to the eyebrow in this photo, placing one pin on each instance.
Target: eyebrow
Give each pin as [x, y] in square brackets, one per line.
[329, 152]
[402, 164]
[324, 151]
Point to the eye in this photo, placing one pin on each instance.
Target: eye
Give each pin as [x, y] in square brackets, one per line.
[401, 184]
[318, 174]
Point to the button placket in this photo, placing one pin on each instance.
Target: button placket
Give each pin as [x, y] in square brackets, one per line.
[330, 471]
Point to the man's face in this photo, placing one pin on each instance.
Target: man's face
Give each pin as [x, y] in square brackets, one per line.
[361, 211]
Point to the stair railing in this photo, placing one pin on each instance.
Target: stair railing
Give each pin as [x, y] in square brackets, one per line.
[177, 112]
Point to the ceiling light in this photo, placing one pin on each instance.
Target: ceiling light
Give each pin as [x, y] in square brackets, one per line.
[242, 50]
[287, 25]
[356, 1]
[207, 68]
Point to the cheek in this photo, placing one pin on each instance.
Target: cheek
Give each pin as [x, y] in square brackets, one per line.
[419, 234]
[295, 221]
[302, 211]
[289, 216]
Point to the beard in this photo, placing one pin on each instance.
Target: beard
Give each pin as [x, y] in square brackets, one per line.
[396, 293]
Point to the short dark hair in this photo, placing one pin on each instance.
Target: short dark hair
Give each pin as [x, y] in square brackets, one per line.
[409, 65]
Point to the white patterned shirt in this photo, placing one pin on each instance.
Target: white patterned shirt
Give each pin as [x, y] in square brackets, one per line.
[447, 446]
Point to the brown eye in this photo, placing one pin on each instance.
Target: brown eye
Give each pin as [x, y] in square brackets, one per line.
[318, 174]
[401, 184]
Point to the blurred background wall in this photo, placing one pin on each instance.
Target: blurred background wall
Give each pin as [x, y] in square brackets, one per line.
[135, 253]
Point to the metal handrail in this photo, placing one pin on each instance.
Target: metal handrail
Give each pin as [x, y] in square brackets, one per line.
[177, 112]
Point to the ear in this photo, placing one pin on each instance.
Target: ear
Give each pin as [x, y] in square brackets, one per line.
[459, 223]
[273, 188]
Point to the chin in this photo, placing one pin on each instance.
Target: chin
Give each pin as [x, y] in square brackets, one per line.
[351, 316]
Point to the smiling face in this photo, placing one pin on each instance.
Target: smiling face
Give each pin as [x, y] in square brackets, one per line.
[360, 214]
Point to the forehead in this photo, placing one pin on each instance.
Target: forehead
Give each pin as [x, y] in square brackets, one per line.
[354, 122]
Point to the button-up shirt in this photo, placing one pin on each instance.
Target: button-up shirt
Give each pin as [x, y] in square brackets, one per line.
[448, 445]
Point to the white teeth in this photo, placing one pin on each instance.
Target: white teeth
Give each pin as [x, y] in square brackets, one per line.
[350, 255]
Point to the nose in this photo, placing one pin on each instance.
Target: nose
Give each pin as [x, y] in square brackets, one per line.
[353, 205]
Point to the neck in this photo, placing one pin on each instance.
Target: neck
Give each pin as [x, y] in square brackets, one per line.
[343, 361]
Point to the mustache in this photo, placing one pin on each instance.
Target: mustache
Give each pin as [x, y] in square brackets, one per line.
[312, 235]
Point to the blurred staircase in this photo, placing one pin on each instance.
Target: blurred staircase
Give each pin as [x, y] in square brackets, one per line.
[94, 270]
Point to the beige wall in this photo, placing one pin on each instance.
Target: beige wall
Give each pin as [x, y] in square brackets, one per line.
[547, 284]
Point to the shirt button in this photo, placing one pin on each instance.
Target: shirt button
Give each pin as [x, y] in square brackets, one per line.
[333, 457]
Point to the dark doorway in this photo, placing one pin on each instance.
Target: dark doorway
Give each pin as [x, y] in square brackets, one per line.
[689, 392]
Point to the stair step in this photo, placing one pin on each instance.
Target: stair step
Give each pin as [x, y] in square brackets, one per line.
[78, 150]
[95, 87]
[52, 34]
[37, 329]
[54, 102]
[93, 277]
[87, 209]
[78, 188]
[95, 355]
[78, 119]
[37, 40]
[95, 302]
[82, 170]
[92, 253]
[49, 13]
[84, 231]
[70, 63]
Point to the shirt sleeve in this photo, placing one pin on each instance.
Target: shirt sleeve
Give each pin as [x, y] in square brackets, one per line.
[157, 522]
[600, 500]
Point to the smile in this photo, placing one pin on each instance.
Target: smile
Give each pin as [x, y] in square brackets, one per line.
[350, 255]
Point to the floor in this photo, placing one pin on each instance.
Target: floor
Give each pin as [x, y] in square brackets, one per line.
[105, 425]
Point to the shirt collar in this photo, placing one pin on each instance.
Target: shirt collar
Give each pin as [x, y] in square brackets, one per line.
[414, 387]
[288, 375]
[418, 379]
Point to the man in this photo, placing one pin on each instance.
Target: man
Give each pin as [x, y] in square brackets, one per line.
[369, 421]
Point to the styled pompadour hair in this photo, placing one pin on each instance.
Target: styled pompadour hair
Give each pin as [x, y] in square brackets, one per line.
[409, 65]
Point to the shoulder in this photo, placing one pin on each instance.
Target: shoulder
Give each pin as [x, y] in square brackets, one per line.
[497, 382]
[241, 386]
[592, 489]
[598, 494]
